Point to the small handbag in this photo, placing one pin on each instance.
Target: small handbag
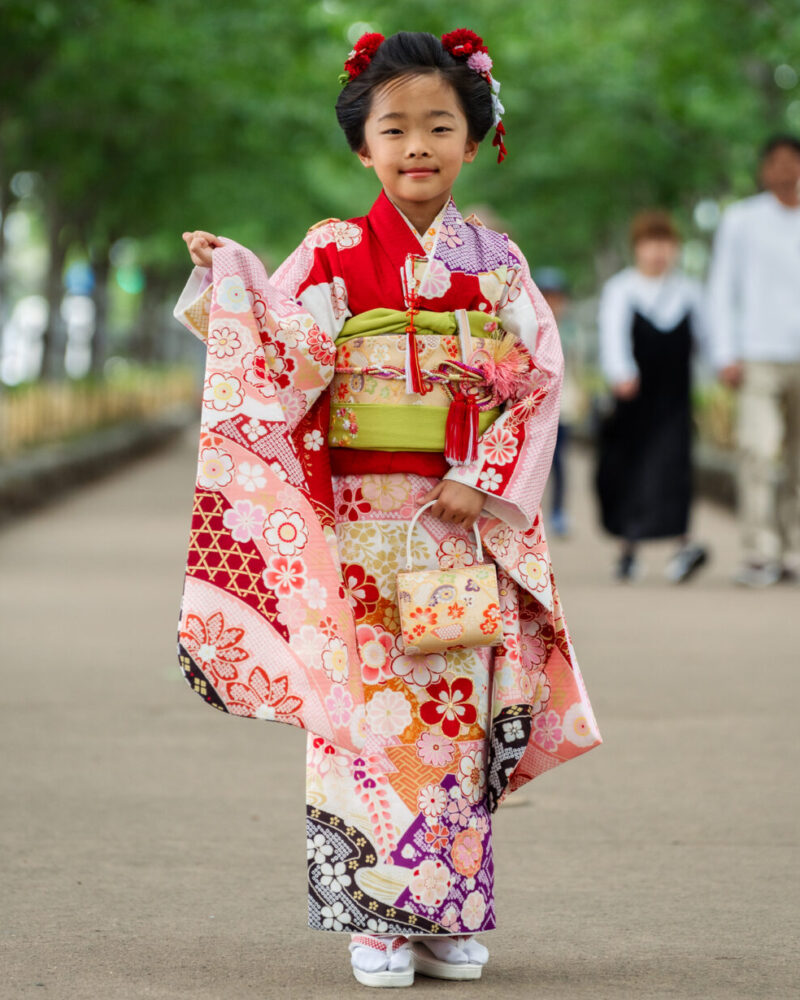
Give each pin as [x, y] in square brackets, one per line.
[444, 609]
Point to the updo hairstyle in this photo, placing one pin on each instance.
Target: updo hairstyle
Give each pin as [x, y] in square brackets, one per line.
[413, 53]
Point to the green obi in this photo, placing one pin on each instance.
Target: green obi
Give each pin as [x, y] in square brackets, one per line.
[370, 408]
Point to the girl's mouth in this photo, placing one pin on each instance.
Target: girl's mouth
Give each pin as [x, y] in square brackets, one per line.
[419, 172]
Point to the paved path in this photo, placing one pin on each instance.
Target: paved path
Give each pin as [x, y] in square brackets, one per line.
[152, 848]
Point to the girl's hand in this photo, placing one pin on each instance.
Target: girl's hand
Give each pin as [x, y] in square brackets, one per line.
[200, 245]
[455, 503]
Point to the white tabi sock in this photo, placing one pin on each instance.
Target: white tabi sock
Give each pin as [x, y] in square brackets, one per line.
[474, 950]
[446, 949]
[379, 953]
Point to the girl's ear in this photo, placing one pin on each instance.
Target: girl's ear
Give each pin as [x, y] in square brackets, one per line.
[363, 155]
[470, 150]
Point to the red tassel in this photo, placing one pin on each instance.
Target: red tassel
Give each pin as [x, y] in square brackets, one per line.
[461, 430]
[499, 132]
[414, 371]
[471, 428]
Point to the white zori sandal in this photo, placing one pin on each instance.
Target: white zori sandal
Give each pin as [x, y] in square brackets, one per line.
[381, 960]
[450, 957]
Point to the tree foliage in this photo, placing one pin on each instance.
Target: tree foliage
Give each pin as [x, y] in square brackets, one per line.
[147, 117]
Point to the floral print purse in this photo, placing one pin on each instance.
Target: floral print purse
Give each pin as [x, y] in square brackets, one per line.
[442, 609]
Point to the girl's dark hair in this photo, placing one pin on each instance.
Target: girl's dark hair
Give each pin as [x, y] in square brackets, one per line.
[412, 53]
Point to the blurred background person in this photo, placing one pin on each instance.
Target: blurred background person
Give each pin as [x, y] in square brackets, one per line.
[552, 282]
[754, 320]
[649, 316]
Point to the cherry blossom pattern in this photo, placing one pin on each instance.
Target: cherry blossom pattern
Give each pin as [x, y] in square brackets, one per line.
[459, 812]
[285, 575]
[212, 645]
[490, 480]
[449, 706]
[362, 588]
[352, 504]
[335, 917]
[339, 705]
[263, 698]
[335, 660]
[285, 530]
[535, 573]
[578, 728]
[472, 776]
[421, 669]
[244, 520]
[375, 647]
[500, 445]
[253, 430]
[449, 236]
[430, 882]
[255, 368]
[491, 619]
[436, 751]
[431, 800]
[548, 732]
[338, 297]
[314, 594]
[232, 296]
[467, 852]
[320, 346]
[313, 440]
[388, 713]
[223, 341]
[454, 553]
[334, 876]
[437, 836]
[250, 476]
[318, 849]
[214, 469]
[473, 910]
[222, 391]
[280, 366]
[344, 234]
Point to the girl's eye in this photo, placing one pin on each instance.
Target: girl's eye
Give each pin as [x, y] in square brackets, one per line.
[391, 131]
[442, 128]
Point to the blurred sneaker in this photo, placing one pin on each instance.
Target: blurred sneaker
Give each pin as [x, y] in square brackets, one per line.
[559, 522]
[685, 563]
[628, 569]
[757, 575]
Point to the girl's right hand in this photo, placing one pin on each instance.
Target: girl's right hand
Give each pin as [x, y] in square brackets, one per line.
[200, 245]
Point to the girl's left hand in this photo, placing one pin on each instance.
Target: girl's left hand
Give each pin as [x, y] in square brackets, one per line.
[455, 503]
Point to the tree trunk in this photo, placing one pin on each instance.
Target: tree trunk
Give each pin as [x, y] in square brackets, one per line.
[53, 339]
[102, 272]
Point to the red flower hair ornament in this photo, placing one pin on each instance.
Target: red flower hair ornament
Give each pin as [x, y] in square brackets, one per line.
[466, 45]
[361, 56]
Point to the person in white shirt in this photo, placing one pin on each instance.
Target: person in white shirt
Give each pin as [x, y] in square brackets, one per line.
[754, 318]
[650, 317]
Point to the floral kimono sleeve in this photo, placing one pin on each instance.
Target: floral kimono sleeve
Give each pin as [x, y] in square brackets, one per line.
[515, 453]
[266, 628]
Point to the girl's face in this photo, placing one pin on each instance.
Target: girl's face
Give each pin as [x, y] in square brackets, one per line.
[416, 139]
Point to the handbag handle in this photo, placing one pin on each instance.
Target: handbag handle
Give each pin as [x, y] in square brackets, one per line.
[412, 525]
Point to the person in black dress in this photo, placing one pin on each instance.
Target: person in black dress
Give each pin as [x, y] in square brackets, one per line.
[649, 320]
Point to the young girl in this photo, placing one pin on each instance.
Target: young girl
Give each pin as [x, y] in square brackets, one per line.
[395, 360]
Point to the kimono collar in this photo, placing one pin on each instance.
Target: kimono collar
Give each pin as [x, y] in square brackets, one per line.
[397, 236]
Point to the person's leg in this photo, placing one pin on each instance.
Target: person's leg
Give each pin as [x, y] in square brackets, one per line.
[559, 479]
[790, 490]
[760, 438]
